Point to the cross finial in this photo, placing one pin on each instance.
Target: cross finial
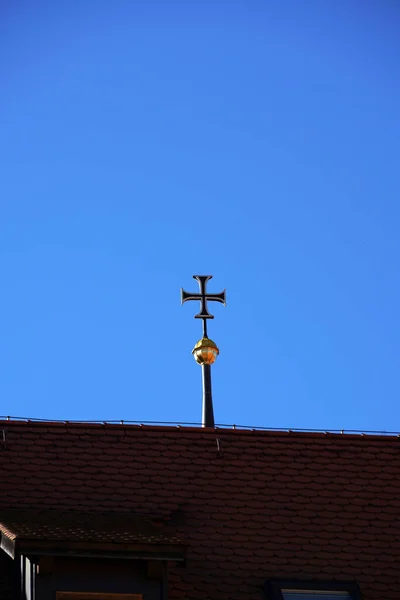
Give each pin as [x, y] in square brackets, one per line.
[205, 351]
[203, 296]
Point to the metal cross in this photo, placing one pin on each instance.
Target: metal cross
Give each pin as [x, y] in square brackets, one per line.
[203, 297]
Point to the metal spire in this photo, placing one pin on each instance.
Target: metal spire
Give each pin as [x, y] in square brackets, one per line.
[205, 351]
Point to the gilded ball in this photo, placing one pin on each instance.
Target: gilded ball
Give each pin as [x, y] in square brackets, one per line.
[205, 352]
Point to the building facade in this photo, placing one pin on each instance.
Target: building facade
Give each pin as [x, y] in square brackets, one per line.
[124, 512]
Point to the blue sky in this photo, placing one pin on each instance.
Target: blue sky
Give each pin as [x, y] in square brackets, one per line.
[144, 142]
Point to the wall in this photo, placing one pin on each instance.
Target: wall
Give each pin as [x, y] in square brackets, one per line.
[97, 575]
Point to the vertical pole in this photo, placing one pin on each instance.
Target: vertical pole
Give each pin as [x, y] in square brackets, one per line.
[208, 411]
[205, 328]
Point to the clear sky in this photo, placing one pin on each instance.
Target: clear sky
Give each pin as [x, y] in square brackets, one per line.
[144, 142]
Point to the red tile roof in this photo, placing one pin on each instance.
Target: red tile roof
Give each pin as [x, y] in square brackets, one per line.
[248, 505]
[119, 531]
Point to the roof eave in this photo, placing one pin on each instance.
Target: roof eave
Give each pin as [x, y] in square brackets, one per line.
[7, 545]
[173, 552]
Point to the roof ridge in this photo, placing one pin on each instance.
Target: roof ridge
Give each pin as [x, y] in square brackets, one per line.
[196, 427]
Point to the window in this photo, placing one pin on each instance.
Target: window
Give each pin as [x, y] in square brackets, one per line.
[311, 590]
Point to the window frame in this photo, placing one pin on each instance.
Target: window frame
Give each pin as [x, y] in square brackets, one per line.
[273, 587]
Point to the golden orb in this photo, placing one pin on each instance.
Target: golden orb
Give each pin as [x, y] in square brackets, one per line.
[205, 351]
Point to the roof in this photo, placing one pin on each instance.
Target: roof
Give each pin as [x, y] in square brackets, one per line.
[249, 505]
[55, 531]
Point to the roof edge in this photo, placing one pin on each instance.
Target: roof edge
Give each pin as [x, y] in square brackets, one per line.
[197, 428]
